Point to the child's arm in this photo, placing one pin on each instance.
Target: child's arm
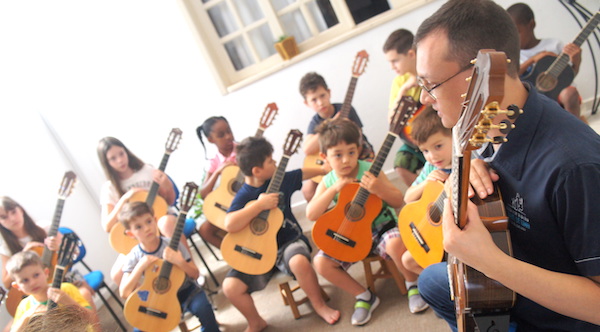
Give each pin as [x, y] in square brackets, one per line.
[311, 144]
[383, 188]
[165, 190]
[414, 193]
[175, 257]
[310, 172]
[211, 179]
[130, 281]
[236, 221]
[323, 196]
[60, 297]
[110, 212]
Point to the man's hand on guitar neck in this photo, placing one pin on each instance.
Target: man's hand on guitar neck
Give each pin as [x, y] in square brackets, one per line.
[574, 53]
[481, 178]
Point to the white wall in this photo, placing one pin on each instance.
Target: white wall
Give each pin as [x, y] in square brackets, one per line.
[132, 69]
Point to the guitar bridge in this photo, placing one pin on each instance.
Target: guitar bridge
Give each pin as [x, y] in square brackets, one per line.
[417, 235]
[341, 239]
[152, 312]
[248, 252]
[221, 207]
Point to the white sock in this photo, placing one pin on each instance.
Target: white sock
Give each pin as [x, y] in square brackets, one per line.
[409, 284]
[366, 296]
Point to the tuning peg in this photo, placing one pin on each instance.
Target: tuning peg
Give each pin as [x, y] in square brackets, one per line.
[468, 79]
[513, 112]
[479, 139]
[493, 109]
[474, 61]
[508, 60]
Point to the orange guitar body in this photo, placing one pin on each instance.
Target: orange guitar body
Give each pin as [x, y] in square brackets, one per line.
[344, 232]
[219, 200]
[122, 243]
[157, 298]
[253, 250]
[420, 224]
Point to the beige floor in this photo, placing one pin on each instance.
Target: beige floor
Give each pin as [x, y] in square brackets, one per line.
[392, 314]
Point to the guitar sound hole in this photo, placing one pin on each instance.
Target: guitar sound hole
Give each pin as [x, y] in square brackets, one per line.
[161, 285]
[354, 212]
[435, 215]
[235, 186]
[259, 226]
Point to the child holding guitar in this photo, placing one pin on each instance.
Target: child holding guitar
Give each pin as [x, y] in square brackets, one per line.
[30, 277]
[317, 96]
[340, 140]
[217, 131]
[254, 157]
[548, 172]
[139, 222]
[127, 174]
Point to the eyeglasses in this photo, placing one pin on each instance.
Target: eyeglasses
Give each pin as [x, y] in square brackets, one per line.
[429, 88]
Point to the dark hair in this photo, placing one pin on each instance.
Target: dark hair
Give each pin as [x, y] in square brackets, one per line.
[31, 228]
[426, 124]
[132, 210]
[333, 132]
[311, 82]
[400, 41]
[252, 152]
[472, 25]
[206, 127]
[521, 13]
[21, 260]
[135, 163]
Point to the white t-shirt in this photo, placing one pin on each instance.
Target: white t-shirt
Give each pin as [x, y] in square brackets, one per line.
[140, 179]
[547, 44]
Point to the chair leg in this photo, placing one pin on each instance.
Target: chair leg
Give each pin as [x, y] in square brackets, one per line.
[398, 277]
[118, 299]
[369, 274]
[207, 245]
[288, 298]
[203, 261]
[111, 310]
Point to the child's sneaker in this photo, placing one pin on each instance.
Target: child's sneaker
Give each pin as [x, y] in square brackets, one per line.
[363, 310]
[415, 301]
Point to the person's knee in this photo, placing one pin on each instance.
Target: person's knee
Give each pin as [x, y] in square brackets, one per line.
[233, 287]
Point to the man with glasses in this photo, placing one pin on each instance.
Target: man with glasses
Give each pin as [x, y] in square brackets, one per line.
[549, 186]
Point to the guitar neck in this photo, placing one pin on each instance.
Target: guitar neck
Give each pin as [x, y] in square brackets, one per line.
[47, 253]
[259, 132]
[155, 185]
[165, 270]
[362, 195]
[347, 105]
[278, 176]
[460, 180]
[56, 283]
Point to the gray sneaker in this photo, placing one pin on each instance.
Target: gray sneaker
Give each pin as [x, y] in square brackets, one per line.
[415, 301]
[363, 310]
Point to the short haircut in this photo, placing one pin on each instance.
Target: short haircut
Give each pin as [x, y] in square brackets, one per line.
[521, 13]
[400, 41]
[311, 82]
[133, 210]
[472, 25]
[252, 152]
[426, 124]
[333, 132]
[21, 260]
[206, 128]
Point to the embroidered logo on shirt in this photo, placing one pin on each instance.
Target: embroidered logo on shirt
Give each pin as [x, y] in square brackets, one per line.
[516, 215]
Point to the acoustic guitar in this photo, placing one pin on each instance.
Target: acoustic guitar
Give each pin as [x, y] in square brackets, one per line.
[119, 241]
[551, 74]
[154, 305]
[253, 250]
[480, 302]
[49, 258]
[358, 68]
[344, 232]
[66, 254]
[217, 202]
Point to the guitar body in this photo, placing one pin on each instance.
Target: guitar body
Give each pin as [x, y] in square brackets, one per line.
[314, 161]
[344, 232]
[13, 298]
[218, 201]
[157, 299]
[122, 243]
[420, 224]
[253, 250]
[547, 83]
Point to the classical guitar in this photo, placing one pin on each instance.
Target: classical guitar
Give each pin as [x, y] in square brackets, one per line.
[344, 232]
[253, 250]
[551, 74]
[154, 305]
[479, 300]
[420, 222]
[119, 241]
[358, 68]
[217, 202]
[65, 259]
[49, 258]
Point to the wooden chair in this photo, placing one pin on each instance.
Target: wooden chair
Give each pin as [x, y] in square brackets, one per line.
[183, 326]
[287, 293]
[387, 269]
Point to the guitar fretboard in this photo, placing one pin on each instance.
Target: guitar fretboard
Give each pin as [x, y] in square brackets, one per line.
[155, 185]
[363, 194]
[47, 253]
[347, 105]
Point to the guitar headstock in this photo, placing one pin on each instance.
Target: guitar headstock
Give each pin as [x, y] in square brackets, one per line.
[360, 63]
[66, 252]
[292, 142]
[403, 112]
[188, 196]
[67, 184]
[173, 140]
[268, 115]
